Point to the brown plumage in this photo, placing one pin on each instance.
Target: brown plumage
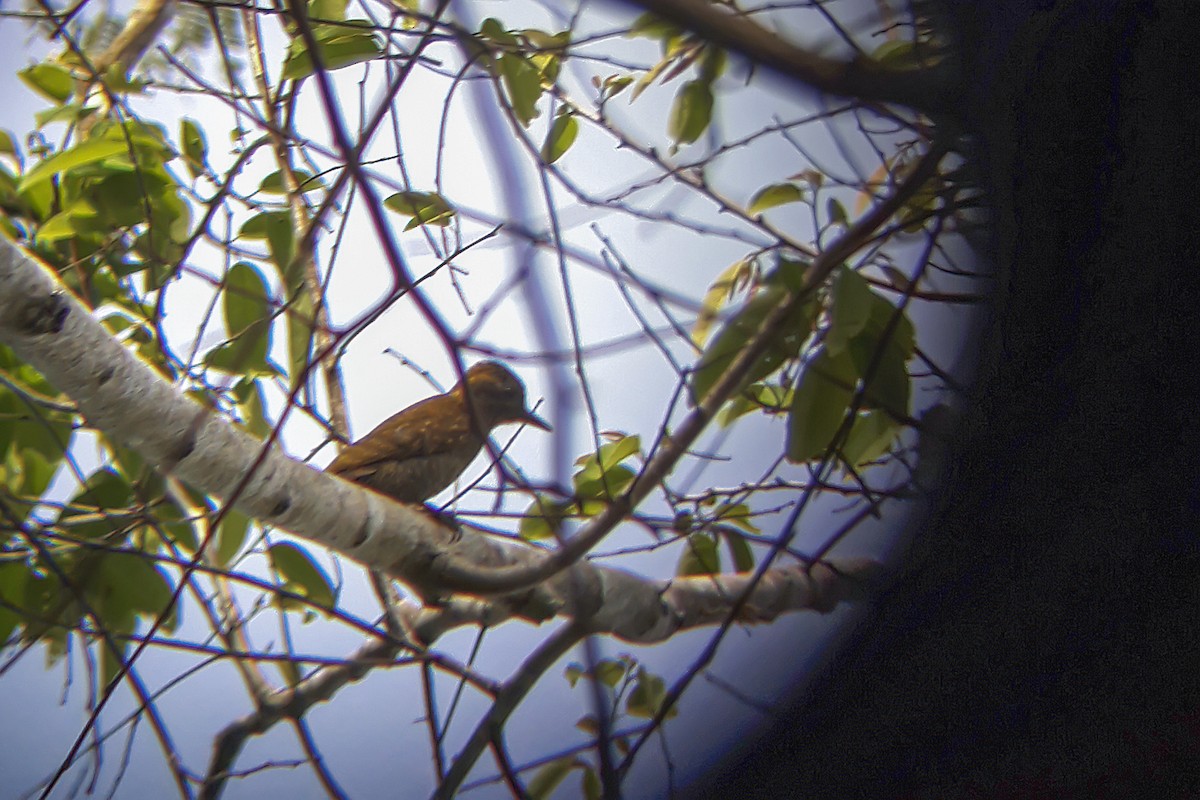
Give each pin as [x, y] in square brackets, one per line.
[418, 452]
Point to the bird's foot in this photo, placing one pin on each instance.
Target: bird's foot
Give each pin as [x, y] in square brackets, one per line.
[447, 520]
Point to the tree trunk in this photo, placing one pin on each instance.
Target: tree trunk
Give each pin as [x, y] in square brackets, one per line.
[1043, 635]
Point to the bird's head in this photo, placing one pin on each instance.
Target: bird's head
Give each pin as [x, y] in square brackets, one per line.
[498, 396]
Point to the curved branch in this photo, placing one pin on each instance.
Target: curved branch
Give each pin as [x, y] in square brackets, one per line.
[506, 703]
[461, 576]
[116, 392]
[930, 90]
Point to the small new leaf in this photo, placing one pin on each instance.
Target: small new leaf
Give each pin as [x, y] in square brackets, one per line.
[301, 573]
[648, 696]
[547, 779]
[700, 556]
[734, 277]
[776, 194]
[424, 208]
[560, 138]
[691, 113]
[195, 147]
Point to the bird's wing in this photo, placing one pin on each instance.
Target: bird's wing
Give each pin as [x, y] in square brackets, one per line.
[424, 431]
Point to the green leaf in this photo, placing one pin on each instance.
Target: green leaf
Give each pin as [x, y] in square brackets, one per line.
[592, 788]
[547, 779]
[647, 698]
[274, 183]
[494, 31]
[68, 114]
[560, 138]
[544, 518]
[30, 472]
[124, 198]
[248, 392]
[871, 436]
[195, 146]
[523, 84]
[735, 334]
[105, 489]
[66, 223]
[300, 327]
[836, 212]
[246, 355]
[776, 194]
[691, 112]
[127, 585]
[8, 145]
[766, 397]
[610, 671]
[712, 65]
[592, 484]
[823, 393]
[301, 573]
[888, 386]
[51, 81]
[700, 556]
[148, 587]
[246, 298]
[613, 85]
[903, 54]
[602, 475]
[110, 662]
[739, 550]
[903, 336]
[573, 672]
[89, 152]
[231, 535]
[613, 452]
[247, 311]
[731, 279]
[339, 47]
[424, 208]
[850, 308]
[652, 26]
[13, 576]
[738, 514]
[178, 527]
[148, 139]
[330, 10]
[276, 228]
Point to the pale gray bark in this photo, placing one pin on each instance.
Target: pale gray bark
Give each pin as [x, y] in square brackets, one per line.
[121, 396]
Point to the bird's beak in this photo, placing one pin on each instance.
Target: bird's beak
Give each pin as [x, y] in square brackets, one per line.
[533, 419]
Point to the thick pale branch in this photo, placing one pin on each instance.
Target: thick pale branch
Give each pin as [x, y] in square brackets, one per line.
[118, 394]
